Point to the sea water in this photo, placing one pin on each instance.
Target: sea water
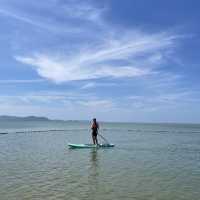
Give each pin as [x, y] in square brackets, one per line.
[149, 161]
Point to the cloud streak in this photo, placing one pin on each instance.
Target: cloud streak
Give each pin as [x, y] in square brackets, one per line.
[99, 52]
[42, 25]
[57, 104]
[23, 19]
[21, 81]
[137, 57]
[69, 17]
[58, 100]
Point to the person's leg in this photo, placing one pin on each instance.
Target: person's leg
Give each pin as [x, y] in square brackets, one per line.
[96, 140]
[93, 138]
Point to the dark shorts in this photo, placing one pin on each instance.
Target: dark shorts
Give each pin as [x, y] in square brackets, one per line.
[94, 133]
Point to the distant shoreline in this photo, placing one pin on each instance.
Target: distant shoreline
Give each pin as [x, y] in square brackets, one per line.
[28, 118]
[42, 118]
[34, 118]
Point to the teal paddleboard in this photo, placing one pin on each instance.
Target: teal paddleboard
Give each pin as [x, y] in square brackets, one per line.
[86, 146]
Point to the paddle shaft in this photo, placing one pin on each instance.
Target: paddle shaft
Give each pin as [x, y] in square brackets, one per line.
[103, 138]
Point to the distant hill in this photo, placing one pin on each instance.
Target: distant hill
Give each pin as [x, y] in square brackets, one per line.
[28, 118]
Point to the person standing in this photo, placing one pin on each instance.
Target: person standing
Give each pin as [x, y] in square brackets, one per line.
[95, 128]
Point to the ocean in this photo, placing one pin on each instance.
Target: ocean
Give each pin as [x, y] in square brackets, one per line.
[148, 162]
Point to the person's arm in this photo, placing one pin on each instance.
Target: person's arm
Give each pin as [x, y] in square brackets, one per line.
[92, 126]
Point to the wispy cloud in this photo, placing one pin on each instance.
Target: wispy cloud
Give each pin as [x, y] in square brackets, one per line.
[163, 100]
[18, 17]
[21, 81]
[63, 105]
[57, 100]
[90, 85]
[83, 10]
[103, 104]
[99, 61]
[36, 23]
[69, 17]
[99, 51]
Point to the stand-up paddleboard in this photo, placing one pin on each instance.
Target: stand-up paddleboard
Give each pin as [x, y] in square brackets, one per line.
[86, 146]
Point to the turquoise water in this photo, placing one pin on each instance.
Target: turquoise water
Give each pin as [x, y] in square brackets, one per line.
[149, 161]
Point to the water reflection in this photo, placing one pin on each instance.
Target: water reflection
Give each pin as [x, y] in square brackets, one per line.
[94, 162]
[93, 175]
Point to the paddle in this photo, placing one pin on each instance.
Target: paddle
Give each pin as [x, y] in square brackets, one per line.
[104, 138]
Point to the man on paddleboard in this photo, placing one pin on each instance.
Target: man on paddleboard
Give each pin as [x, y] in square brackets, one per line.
[95, 128]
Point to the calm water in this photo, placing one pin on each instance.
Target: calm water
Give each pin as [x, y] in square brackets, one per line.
[150, 161]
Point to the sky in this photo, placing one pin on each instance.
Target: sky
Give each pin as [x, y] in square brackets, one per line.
[131, 60]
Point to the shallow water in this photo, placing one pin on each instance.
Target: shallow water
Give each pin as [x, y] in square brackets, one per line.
[149, 161]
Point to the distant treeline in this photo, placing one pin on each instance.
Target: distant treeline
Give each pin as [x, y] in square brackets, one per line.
[28, 118]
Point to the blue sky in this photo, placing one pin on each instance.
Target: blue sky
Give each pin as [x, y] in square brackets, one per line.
[131, 60]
